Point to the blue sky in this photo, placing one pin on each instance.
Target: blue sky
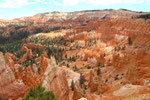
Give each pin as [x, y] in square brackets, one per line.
[10, 9]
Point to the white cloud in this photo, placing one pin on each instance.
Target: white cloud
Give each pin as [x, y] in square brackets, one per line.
[2, 16]
[72, 2]
[38, 9]
[57, 3]
[46, 2]
[42, 8]
[39, 0]
[15, 3]
[111, 2]
[97, 2]
[18, 3]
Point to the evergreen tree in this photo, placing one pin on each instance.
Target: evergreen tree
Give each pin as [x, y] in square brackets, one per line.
[118, 48]
[99, 65]
[104, 54]
[39, 71]
[75, 68]
[70, 48]
[124, 47]
[39, 93]
[82, 80]
[73, 58]
[115, 49]
[68, 65]
[28, 58]
[66, 56]
[89, 67]
[129, 41]
[98, 71]
[72, 85]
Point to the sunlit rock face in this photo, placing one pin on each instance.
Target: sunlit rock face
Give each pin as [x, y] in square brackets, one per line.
[16, 83]
[55, 80]
[59, 85]
[10, 86]
[77, 93]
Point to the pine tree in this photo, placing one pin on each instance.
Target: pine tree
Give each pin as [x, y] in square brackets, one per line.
[73, 58]
[70, 48]
[39, 93]
[39, 71]
[99, 65]
[72, 85]
[98, 71]
[82, 80]
[75, 68]
[66, 56]
[104, 54]
[28, 58]
[89, 67]
[129, 41]
[68, 65]
[115, 49]
[124, 47]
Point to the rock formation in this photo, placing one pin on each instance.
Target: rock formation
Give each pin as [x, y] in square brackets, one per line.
[10, 86]
[110, 48]
[55, 80]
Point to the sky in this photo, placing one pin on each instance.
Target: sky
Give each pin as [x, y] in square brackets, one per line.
[11, 9]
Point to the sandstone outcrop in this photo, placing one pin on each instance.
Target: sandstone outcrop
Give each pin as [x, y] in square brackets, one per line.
[95, 83]
[77, 93]
[15, 80]
[59, 85]
[10, 86]
[55, 80]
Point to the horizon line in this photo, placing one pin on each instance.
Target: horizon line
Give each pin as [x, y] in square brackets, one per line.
[77, 11]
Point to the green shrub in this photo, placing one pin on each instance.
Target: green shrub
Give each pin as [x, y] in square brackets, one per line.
[72, 85]
[98, 71]
[39, 93]
[129, 41]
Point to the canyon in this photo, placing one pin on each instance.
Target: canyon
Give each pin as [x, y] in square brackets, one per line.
[86, 55]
